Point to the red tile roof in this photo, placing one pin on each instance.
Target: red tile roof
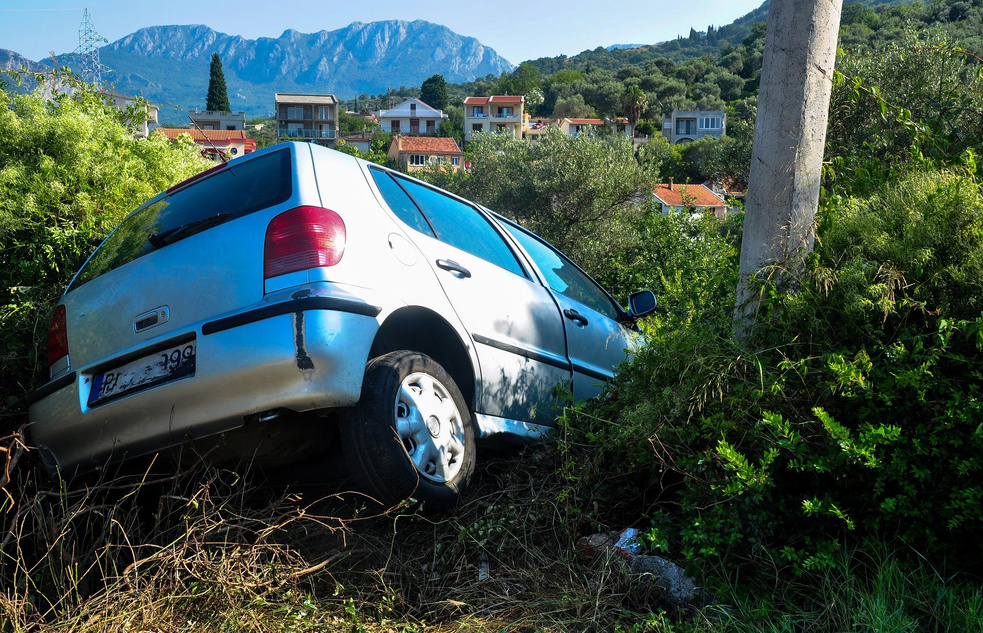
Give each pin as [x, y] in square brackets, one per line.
[687, 196]
[197, 135]
[586, 121]
[494, 99]
[426, 145]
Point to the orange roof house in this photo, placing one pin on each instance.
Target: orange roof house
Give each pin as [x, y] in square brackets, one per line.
[578, 126]
[497, 114]
[224, 144]
[676, 198]
[416, 152]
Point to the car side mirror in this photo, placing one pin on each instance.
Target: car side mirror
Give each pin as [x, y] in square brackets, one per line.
[641, 303]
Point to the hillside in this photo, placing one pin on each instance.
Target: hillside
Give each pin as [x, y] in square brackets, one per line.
[169, 64]
[712, 41]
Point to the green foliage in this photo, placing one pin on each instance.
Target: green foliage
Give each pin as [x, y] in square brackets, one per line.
[453, 127]
[636, 103]
[433, 92]
[70, 170]
[350, 124]
[265, 135]
[914, 99]
[855, 410]
[569, 190]
[218, 96]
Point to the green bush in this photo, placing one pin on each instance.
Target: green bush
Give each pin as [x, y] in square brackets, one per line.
[70, 170]
[855, 410]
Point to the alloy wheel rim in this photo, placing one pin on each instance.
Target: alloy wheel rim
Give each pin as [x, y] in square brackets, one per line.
[430, 427]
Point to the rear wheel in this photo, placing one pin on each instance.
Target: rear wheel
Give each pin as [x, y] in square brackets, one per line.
[411, 433]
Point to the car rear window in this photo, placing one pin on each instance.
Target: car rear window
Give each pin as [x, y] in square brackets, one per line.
[237, 190]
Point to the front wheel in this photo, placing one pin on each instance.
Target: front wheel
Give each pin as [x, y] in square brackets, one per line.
[411, 434]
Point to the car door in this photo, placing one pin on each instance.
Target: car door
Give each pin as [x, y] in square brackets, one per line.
[514, 323]
[596, 339]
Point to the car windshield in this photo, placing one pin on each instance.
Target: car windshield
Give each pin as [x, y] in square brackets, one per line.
[237, 190]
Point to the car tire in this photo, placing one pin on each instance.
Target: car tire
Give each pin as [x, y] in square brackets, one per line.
[411, 434]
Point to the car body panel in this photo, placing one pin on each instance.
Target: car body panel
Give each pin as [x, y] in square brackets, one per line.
[300, 341]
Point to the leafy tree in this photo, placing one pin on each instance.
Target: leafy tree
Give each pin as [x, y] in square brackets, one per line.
[218, 96]
[351, 124]
[525, 79]
[569, 190]
[433, 92]
[636, 102]
[453, 127]
[572, 107]
[70, 170]
[264, 135]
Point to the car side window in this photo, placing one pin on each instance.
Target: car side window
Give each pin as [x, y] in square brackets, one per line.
[400, 203]
[562, 275]
[461, 226]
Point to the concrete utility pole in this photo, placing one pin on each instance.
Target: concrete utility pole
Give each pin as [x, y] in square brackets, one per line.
[789, 135]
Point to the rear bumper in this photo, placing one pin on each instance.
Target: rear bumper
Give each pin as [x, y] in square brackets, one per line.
[300, 355]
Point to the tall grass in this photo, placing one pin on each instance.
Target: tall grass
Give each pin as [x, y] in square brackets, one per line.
[207, 549]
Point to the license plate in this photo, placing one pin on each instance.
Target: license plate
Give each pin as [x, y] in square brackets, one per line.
[153, 369]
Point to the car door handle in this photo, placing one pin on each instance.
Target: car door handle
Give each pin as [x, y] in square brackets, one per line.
[573, 315]
[454, 267]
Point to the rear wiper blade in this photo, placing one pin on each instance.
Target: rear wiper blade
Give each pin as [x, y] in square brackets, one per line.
[163, 238]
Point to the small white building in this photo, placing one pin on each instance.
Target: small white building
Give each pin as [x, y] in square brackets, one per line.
[411, 117]
[141, 128]
[498, 114]
[686, 126]
[576, 126]
[676, 198]
[218, 120]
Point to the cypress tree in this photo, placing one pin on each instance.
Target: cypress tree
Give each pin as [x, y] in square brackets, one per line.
[433, 92]
[218, 95]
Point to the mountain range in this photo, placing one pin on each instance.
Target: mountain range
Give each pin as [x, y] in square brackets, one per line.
[169, 64]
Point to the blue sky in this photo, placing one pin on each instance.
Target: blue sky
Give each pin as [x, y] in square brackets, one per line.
[516, 30]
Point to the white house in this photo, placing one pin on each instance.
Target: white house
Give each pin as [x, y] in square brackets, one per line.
[218, 120]
[501, 114]
[411, 117]
[141, 126]
[686, 126]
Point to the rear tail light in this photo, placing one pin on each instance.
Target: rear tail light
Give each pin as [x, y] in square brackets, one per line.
[58, 336]
[302, 238]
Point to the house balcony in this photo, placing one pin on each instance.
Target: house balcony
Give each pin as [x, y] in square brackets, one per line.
[515, 117]
[311, 134]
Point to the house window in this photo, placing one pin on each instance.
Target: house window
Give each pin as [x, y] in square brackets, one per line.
[477, 127]
[505, 111]
[710, 123]
[413, 109]
[455, 161]
[418, 159]
[295, 112]
[686, 126]
[324, 112]
[431, 127]
[478, 111]
[394, 127]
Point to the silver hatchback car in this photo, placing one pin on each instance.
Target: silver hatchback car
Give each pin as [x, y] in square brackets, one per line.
[300, 279]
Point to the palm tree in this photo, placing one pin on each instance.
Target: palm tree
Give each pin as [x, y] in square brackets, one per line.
[636, 102]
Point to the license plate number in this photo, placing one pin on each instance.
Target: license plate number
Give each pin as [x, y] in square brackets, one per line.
[152, 369]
